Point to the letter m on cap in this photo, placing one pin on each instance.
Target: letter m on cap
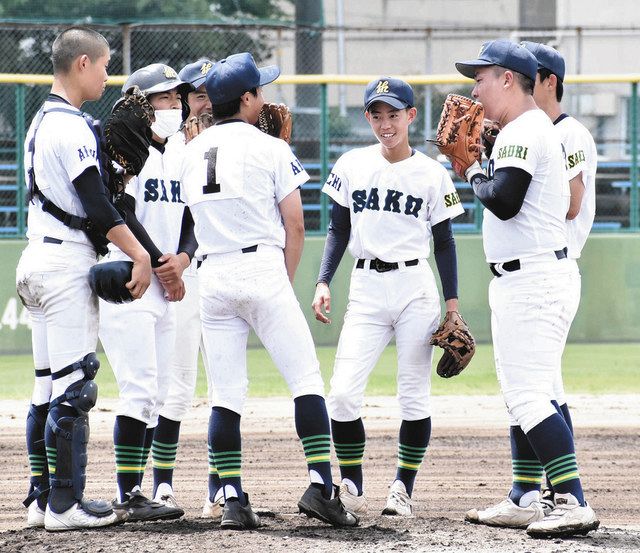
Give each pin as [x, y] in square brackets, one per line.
[383, 87]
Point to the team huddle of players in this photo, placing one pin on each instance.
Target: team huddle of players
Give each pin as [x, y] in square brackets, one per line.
[214, 226]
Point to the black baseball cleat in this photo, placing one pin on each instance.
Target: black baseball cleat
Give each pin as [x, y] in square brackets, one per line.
[332, 511]
[140, 508]
[238, 517]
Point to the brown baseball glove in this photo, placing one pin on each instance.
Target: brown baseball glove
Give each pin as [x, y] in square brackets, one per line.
[128, 131]
[193, 126]
[454, 337]
[459, 130]
[276, 120]
[490, 131]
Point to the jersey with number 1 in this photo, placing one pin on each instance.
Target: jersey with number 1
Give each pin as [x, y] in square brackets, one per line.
[234, 176]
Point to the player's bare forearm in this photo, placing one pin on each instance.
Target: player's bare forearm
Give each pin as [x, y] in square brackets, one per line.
[322, 300]
[173, 265]
[122, 237]
[293, 221]
[451, 304]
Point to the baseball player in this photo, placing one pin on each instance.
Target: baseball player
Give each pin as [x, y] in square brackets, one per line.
[184, 368]
[526, 198]
[138, 338]
[389, 200]
[242, 187]
[68, 210]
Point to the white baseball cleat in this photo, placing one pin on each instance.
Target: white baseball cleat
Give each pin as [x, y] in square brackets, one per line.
[76, 518]
[568, 518]
[354, 504]
[398, 503]
[507, 514]
[213, 509]
[164, 495]
[35, 516]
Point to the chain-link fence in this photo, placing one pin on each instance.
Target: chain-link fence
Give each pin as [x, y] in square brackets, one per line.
[328, 117]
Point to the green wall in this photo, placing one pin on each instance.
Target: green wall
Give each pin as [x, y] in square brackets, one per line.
[609, 312]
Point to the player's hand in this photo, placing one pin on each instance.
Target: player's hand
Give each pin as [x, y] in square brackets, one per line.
[175, 290]
[140, 276]
[322, 300]
[172, 268]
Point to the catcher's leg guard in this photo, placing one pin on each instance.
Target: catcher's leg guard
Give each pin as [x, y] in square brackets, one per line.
[39, 488]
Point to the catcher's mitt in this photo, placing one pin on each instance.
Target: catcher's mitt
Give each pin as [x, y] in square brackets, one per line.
[454, 338]
[459, 129]
[276, 120]
[128, 131]
[193, 126]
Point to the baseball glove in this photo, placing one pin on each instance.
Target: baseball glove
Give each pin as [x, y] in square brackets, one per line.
[490, 131]
[454, 338]
[195, 125]
[458, 134]
[276, 120]
[128, 131]
[108, 280]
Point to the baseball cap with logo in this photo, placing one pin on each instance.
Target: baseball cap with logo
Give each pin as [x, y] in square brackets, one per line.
[195, 73]
[154, 78]
[394, 92]
[548, 58]
[504, 53]
[231, 77]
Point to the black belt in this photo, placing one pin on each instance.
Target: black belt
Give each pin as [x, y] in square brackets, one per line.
[249, 249]
[383, 266]
[50, 240]
[514, 264]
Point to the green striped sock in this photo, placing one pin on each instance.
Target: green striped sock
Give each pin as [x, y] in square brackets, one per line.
[164, 455]
[37, 463]
[410, 457]
[52, 455]
[317, 449]
[228, 464]
[128, 459]
[561, 469]
[349, 455]
[527, 471]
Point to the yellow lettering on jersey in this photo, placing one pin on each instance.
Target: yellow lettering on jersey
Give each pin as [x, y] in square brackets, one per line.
[513, 150]
[451, 199]
[170, 73]
[383, 87]
[576, 158]
[205, 68]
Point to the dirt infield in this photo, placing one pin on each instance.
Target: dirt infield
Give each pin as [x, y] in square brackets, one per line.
[467, 465]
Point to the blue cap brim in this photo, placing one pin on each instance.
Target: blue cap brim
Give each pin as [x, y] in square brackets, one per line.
[469, 68]
[198, 82]
[268, 74]
[164, 86]
[391, 100]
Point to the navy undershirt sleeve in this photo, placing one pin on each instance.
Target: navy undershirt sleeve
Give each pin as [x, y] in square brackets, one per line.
[337, 240]
[126, 205]
[95, 200]
[444, 251]
[187, 243]
[504, 194]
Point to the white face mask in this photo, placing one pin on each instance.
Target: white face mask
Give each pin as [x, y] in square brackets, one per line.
[167, 122]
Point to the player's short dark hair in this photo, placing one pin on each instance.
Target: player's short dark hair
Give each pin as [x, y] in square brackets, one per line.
[544, 75]
[221, 111]
[526, 83]
[74, 42]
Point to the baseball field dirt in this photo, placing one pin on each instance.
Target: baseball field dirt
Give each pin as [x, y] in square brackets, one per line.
[467, 465]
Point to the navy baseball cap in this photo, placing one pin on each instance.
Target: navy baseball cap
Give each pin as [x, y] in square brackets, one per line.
[394, 92]
[154, 78]
[195, 73]
[548, 58]
[504, 53]
[231, 77]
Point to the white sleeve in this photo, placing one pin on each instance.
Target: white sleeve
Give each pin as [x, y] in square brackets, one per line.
[446, 201]
[517, 149]
[578, 149]
[337, 184]
[77, 147]
[289, 172]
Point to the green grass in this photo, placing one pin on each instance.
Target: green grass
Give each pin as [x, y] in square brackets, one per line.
[587, 368]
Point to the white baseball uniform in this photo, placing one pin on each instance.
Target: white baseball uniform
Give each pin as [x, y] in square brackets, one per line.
[530, 306]
[52, 274]
[582, 157]
[392, 209]
[188, 343]
[234, 177]
[139, 337]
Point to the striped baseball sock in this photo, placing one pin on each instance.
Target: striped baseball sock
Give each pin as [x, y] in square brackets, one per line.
[553, 443]
[349, 441]
[214, 479]
[224, 433]
[525, 467]
[564, 411]
[36, 420]
[412, 446]
[164, 449]
[312, 426]
[146, 449]
[128, 441]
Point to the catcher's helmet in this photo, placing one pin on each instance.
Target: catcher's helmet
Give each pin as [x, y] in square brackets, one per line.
[195, 73]
[108, 280]
[155, 78]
